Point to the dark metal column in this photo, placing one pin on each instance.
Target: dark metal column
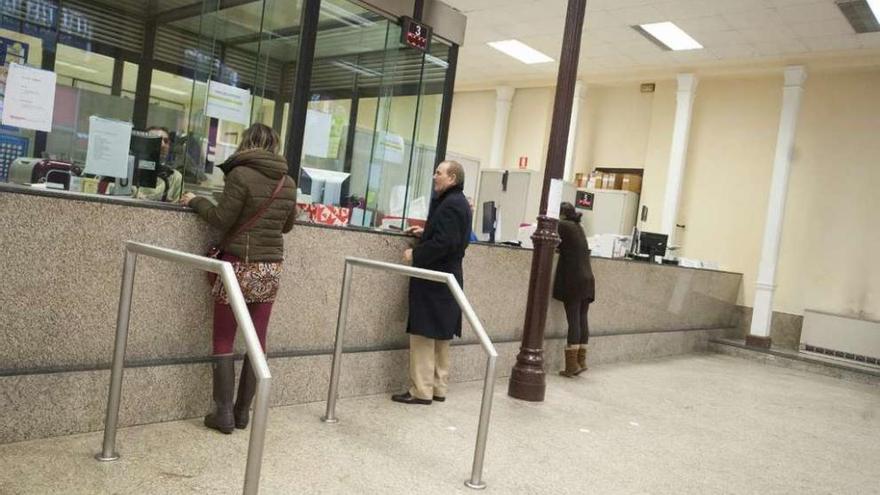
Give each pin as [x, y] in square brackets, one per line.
[446, 106]
[118, 70]
[527, 378]
[280, 98]
[49, 52]
[144, 76]
[352, 127]
[300, 100]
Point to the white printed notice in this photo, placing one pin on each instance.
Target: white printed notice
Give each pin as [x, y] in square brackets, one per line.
[229, 103]
[554, 198]
[108, 147]
[316, 141]
[30, 98]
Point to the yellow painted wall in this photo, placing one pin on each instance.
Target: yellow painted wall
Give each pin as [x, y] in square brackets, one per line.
[828, 257]
[831, 223]
[471, 124]
[727, 176]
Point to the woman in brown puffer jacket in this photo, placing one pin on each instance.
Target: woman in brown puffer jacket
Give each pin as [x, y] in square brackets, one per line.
[252, 175]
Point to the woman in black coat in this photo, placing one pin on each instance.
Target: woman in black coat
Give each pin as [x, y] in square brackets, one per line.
[574, 286]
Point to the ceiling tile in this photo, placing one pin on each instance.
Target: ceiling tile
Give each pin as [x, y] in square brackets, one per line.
[699, 25]
[810, 12]
[825, 28]
[676, 10]
[720, 38]
[631, 16]
[759, 18]
[832, 43]
[869, 40]
[617, 35]
[741, 51]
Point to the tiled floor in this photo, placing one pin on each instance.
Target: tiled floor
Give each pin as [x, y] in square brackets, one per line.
[701, 424]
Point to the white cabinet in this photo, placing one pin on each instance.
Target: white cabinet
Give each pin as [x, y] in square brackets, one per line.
[614, 212]
[517, 197]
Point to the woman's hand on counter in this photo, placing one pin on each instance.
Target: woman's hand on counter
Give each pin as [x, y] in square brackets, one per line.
[186, 198]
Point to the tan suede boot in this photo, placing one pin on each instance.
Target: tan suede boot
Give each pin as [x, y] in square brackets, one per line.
[581, 360]
[571, 367]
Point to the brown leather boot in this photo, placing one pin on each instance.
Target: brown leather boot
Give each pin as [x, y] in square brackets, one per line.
[224, 380]
[581, 360]
[247, 386]
[571, 367]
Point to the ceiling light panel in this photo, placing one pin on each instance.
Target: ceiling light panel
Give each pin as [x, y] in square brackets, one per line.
[668, 36]
[520, 51]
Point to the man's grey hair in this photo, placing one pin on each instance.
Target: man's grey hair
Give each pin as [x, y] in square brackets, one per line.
[455, 168]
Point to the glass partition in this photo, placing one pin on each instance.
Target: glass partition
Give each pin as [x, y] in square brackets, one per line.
[372, 123]
[146, 99]
[197, 73]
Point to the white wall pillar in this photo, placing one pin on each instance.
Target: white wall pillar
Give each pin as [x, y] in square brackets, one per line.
[762, 309]
[687, 88]
[576, 105]
[503, 101]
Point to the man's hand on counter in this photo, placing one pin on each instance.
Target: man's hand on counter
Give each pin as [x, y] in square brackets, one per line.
[186, 198]
[415, 231]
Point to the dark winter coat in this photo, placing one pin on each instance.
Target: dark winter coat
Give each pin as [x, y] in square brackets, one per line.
[251, 176]
[574, 275]
[433, 312]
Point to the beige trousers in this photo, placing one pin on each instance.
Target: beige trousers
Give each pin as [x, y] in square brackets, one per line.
[428, 367]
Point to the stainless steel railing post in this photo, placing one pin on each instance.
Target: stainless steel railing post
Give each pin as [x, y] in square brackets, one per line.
[261, 372]
[245, 324]
[475, 480]
[341, 322]
[111, 420]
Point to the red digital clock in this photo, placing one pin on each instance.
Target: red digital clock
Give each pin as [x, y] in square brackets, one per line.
[415, 34]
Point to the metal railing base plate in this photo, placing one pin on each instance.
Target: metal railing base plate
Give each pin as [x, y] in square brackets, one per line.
[99, 456]
[476, 486]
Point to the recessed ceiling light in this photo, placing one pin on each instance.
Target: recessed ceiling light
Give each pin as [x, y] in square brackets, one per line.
[520, 51]
[669, 36]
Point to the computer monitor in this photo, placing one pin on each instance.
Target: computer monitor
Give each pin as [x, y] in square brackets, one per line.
[324, 186]
[652, 244]
[147, 152]
[490, 217]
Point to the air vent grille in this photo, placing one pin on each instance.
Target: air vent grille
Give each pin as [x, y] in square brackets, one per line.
[859, 15]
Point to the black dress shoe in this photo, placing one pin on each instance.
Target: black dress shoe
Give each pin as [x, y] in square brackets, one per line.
[406, 398]
[439, 399]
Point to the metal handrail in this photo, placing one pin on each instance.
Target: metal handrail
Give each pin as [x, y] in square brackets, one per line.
[475, 480]
[242, 317]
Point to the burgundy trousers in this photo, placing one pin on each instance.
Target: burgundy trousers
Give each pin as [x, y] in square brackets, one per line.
[225, 325]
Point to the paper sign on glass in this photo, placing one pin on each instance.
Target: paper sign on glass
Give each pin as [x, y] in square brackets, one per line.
[316, 141]
[229, 103]
[554, 198]
[109, 141]
[30, 98]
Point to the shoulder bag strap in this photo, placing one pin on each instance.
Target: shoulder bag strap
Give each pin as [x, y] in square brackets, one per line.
[250, 223]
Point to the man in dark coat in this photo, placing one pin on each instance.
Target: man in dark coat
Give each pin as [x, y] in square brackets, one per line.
[434, 316]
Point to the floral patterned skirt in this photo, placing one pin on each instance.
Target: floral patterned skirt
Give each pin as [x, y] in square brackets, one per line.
[259, 280]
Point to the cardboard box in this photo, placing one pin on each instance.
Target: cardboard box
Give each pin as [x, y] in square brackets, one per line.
[632, 182]
[612, 181]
